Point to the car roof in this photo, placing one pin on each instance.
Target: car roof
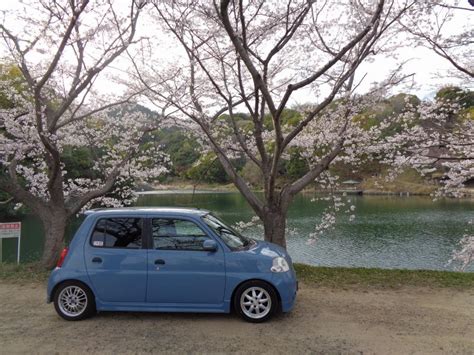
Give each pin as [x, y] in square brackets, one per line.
[146, 210]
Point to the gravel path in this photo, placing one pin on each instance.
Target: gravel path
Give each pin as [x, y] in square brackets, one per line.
[406, 321]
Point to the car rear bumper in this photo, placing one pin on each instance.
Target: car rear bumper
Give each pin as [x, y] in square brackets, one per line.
[52, 281]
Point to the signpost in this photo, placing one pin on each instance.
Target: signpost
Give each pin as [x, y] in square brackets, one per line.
[11, 230]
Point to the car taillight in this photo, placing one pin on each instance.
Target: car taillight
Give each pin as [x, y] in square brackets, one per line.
[62, 257]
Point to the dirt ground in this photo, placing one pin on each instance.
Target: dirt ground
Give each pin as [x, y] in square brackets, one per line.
[406, 321]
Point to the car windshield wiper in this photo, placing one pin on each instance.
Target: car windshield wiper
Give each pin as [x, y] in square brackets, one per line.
[246, 243]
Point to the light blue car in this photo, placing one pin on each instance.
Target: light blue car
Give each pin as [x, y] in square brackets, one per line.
[169, 260]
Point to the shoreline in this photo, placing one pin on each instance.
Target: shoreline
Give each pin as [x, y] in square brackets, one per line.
[230, 188]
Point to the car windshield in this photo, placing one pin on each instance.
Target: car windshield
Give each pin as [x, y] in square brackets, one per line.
[229, 236]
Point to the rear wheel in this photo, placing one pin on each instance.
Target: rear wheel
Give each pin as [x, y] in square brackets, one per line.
[74, 301]
[255, 301]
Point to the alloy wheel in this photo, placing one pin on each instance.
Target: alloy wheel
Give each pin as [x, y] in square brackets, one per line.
[255, 302]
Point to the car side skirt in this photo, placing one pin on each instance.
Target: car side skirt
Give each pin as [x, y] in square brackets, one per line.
[157, 307]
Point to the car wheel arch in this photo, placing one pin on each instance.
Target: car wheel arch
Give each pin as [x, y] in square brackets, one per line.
[232, 305]
[53, 291]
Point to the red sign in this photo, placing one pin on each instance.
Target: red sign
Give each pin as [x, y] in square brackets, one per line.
[10, 230]
[10, 225]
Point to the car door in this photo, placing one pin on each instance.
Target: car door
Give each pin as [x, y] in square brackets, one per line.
[116, 259]
[179, 270]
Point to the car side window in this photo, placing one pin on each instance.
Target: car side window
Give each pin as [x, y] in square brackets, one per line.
[177, 234]
[118, 233]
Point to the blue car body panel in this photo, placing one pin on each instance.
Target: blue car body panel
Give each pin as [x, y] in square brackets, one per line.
[188, 281]
[187, 277]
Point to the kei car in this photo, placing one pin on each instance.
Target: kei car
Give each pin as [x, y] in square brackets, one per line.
[169, 260]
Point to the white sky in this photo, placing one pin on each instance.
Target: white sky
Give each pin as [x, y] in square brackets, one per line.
[430, 71]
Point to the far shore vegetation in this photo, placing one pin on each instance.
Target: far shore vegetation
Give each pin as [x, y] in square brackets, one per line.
[315, 276]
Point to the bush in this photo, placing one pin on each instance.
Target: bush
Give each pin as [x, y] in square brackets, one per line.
[297, 166]
[208, 169]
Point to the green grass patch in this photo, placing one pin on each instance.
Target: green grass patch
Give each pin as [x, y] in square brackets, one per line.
[338, 277]
[23, 273]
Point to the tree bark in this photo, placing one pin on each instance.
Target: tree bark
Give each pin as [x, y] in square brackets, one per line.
[54, 224]
[274, 225]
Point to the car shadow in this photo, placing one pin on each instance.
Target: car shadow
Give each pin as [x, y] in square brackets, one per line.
[178, 316]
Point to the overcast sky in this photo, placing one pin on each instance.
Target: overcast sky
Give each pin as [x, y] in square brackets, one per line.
[430, 71]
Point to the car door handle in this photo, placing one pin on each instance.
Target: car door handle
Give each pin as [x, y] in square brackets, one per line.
[159, 262]
[96, 260]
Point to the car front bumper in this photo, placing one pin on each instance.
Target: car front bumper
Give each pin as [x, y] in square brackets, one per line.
[287, 286]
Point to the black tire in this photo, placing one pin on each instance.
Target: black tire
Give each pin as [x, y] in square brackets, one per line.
[246, 288]
[89, 308]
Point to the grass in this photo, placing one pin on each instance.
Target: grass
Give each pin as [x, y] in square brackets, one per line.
[333, 277]
[408, 181]
[23, 273]
[338, 277]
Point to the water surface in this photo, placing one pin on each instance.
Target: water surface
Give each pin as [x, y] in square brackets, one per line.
[388, 231]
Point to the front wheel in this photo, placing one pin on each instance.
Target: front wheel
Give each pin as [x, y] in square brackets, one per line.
[74, 301]
[255, 301]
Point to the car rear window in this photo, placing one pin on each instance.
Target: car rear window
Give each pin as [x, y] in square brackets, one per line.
[118, 233]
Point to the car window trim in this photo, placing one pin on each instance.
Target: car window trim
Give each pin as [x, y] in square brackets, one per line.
[144, 237]
[150, 235]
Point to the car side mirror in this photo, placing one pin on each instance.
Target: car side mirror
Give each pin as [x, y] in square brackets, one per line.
[209, 245]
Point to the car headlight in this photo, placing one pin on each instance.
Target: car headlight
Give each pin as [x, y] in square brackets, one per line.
[279, 264]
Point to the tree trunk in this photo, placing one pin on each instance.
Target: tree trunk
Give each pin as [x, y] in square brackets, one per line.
[54, 229]
[274, 225]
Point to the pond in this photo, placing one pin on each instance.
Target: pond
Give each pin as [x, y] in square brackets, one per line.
[388, 231]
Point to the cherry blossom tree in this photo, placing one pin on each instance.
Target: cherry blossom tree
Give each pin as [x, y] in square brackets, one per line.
[60, 49]
[464, 255]
[441, 141]
[257, 57]
[457, 48]
[438, 30]
[439, 138]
